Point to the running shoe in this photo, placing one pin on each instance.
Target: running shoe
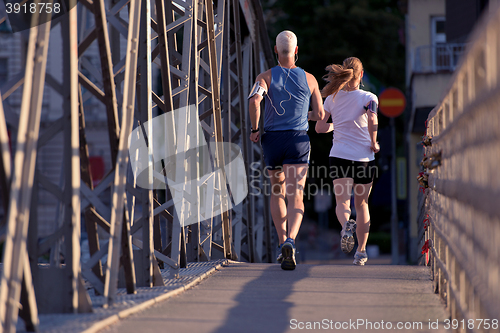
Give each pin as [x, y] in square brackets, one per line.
[347, 236]
[288, 252]
[360, 258]
[279, 257]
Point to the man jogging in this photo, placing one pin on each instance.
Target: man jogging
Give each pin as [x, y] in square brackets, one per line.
[288, 91]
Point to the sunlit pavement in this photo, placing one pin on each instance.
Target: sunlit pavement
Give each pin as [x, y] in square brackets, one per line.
[245, 297]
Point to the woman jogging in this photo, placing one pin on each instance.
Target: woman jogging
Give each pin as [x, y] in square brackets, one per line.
[354, 118]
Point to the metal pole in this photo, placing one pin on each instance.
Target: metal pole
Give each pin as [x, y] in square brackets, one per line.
[220, 163]
[72, 160]
[394, 207]
[145, 110]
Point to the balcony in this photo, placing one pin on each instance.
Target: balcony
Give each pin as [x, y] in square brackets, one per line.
[437, 58]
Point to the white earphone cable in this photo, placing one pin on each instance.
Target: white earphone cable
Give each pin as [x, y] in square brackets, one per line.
[284, 87]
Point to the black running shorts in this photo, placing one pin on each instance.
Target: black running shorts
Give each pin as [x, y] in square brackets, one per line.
[361, 172]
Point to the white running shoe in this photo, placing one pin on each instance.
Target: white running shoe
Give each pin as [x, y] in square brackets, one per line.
[347, 236]
[360, 258]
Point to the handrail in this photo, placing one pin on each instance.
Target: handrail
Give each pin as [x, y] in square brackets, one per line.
[461, 198]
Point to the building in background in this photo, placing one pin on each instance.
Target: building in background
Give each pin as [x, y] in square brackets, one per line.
[436, 33]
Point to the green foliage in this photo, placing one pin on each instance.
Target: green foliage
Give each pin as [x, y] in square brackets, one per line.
[330, 31]
[382, 239]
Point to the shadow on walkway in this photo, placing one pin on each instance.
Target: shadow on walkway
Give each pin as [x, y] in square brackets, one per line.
[263, 304]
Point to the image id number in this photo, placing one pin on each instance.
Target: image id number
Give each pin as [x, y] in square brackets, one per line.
[471, 324]
[33, 8]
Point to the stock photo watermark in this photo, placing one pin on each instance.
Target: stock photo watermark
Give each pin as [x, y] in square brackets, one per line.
[26, 14]
[322, 175]
[204, 179]
[365, 324]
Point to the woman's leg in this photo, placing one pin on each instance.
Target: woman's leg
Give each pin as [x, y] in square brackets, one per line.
[361, 193]
[278, 206]
[342, 187]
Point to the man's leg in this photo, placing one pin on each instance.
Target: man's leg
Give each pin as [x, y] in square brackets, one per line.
[278, 206]
[295, 175]
[295, 178]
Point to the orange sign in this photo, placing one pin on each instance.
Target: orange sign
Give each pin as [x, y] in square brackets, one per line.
[392, 102]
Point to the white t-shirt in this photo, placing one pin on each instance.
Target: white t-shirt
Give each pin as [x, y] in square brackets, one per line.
[351, 139]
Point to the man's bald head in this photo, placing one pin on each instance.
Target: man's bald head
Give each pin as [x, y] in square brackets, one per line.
[286, 42]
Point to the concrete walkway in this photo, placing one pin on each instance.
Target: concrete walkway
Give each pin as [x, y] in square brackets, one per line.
[245, 297]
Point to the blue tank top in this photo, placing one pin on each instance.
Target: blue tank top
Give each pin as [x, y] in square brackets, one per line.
[288, 102]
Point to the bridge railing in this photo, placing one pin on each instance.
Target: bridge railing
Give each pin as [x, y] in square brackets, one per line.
[462, 207]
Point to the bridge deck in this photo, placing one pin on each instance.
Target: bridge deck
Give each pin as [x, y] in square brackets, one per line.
[245, 297]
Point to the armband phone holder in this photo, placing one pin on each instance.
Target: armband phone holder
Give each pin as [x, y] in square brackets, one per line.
[257, 89]
[371, 107]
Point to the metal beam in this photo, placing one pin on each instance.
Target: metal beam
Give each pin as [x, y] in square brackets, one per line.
[118, 195]
[15, 252]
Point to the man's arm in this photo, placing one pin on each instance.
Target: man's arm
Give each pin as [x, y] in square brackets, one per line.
[317, 113]
[254, 106]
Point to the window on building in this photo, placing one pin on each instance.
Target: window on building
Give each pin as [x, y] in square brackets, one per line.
[441, 52]
[5, 27]
[438, 25]
[4, 71]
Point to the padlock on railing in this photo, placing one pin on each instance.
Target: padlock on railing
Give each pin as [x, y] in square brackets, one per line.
[423, 179]
[432, 161]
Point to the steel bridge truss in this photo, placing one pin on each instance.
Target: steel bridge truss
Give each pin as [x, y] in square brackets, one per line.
[208, 54]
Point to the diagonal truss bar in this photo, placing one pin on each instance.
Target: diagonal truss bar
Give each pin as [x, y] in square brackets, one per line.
[118, 195]
[108, 81]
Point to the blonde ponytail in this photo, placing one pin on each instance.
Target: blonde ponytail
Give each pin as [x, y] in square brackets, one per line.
[339, 75]
[337, 78]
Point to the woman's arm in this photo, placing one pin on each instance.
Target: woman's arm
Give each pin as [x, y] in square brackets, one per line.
[373, 129]
[322, 126]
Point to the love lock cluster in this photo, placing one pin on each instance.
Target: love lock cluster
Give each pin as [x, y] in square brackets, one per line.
[423, 179]
[427, 141]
